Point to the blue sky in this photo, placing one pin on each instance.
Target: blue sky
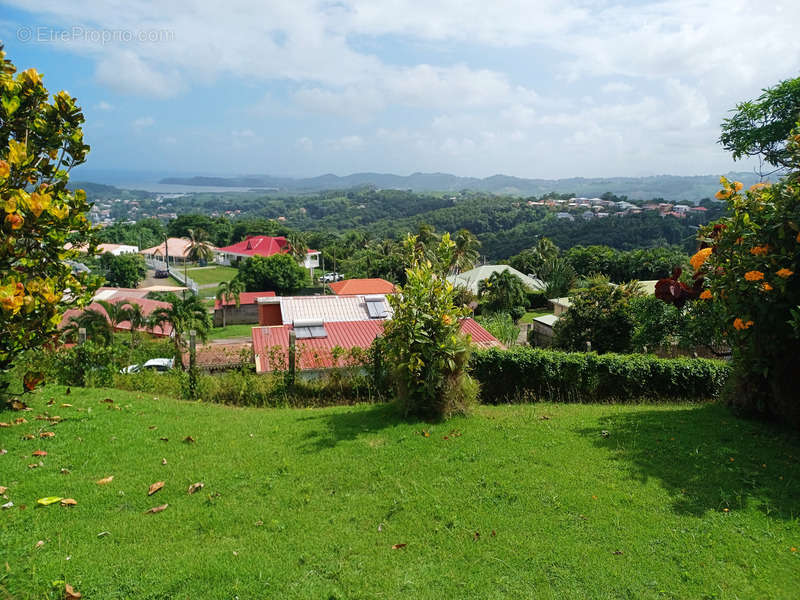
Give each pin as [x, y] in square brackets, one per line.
[549, 88]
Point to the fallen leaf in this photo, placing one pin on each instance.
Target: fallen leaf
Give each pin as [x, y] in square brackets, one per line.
[617, 552]
[70, 593]
[196, 486]
[32, 466]
[152, 427]
[164, 439]
[7, 505]
[155, 487]
[47, 434]
[28, 436]
[398, 546]
[157, 509]
[65, 405]
[65, 471]
[3, 489]
[68, 392]
[51, 402]
[259, 523]
[105, 480]
[477, 535]
[494, 533]
[235, 553]
[48, 501]
[163, 461]
[108, 400]
[39, 453]
[39, 544]
[544, 418]
[20, 421]
[3, 451]
[5, 424]
[103, 534]
[69, 502]
[189, 439]
[18, 405]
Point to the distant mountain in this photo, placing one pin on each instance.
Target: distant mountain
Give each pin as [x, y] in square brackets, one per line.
[669, 187]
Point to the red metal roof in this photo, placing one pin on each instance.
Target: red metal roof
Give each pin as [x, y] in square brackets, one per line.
[362, 286]
[148, 306]
[271, 344]
[245, 298]
[259, 245]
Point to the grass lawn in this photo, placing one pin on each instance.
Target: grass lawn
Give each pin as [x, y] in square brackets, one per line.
[532, 501]
[231, 331]
[213, 274]
[528, 317]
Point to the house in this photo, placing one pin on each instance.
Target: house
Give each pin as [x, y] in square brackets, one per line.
[470, 279]
[115, 249]
[177, 249]
[148, 307]
[247, 311]
[285, 310]
[317, 340]
[361, 287]
[262, 245]
[565, 215]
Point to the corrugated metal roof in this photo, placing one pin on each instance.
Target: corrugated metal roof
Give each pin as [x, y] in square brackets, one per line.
[362, 286]
[330, 309]
[271, 344]
[470, 279]
[148, 306]
[260, 245]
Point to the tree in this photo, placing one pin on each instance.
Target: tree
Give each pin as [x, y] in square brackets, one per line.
[423, 341]
[116, 312]
[533, 260]
[761, 127]
[97, 327]
[227, 292]
[198, 250]
[279, 273]
[298, 245]
[465, 252]
[184, 315]
[40, 142]
[137, 319]
[125, 270]
[559, 277]
[600, 315]
[503, 292]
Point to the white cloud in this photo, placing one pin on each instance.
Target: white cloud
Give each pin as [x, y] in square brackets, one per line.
[305, 143]
[103, 105]
[616, 87]
[143, 122]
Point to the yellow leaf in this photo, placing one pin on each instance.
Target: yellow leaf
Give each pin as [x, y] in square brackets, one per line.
[105, 480]
[48, 501]
[17, 153]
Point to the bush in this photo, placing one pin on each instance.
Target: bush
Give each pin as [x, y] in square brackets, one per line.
[600, 315]
[537, 299]
[501, 326]
[534, 374]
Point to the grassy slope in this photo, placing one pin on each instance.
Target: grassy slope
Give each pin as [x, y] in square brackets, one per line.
[308, 503]
[243, 330]
[207, 275]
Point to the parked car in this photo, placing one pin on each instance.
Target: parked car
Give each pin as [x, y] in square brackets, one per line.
[159, 365]
[331, 277]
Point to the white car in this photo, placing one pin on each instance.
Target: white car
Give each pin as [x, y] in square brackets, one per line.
[331, 277]
[160, 365]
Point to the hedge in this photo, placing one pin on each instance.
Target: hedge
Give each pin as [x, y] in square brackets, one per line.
[534, 374]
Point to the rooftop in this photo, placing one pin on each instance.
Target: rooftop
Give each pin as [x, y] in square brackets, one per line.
[362, 286]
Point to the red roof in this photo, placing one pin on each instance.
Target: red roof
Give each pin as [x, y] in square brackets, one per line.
[244, 298]
[271, 344]
[148, 306]
[362, 286]
[259, 245]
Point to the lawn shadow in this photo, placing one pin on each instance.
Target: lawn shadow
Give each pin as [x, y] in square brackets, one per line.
[707, 458]
[329, 428]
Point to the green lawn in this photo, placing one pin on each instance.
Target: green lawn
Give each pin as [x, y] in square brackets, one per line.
[231, 331]
[528, 317]
[214, 274]
[532, 501]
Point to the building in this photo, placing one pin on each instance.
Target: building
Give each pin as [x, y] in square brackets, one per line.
[471, 279]
[560, 305]
[316, 342]
[115, 249]
[543, 330]
[361, 287]
[176, 248]
[246, 312]
[262, 245]
[285, 310]
[115, 295]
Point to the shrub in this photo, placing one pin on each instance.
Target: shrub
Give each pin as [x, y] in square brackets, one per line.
[537, 299]
[501, 326]
[534, 374]
[599, 315]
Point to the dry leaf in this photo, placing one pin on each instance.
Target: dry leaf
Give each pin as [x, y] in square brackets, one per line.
[32, 466]
[259, 523]
[47, 434]
[70, 593]
[5, 424]
[18, 405]
[51, 402]
[39, 453]
[152, 427]
[7, 505]
[398, 546]
[196, 486]
[39, 544]
[105, 480]
[65, 405]
[544, 418]
[108, 400]
[164, 439]
[163, 461]
[189, 439]
[68, 392]
[157, 509]
[3, 451]
[20, 421]
[155, 487]
[28, 436]
[477, 535]
[65, 471]
[3, 489]
[68, 502]
[617, 552]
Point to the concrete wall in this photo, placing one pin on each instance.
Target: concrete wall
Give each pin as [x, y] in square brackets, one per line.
[246, 313]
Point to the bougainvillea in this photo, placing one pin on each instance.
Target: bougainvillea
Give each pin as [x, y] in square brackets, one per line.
[40, 141]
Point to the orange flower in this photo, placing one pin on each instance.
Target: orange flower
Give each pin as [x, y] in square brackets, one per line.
[758, 186]
[5, 170]
[785, 273]
[698, 259]
[14, 220]
[706, 295]
[759, 250]
[738, 185]
[766, 287]
[740, 325]
[722, 194]
[754, 276]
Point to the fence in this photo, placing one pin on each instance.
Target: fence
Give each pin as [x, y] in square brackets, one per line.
[160, 265]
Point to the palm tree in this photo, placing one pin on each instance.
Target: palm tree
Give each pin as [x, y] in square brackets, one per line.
[115, 311]
[136, 318]
[227, 292]
[502, 292]
[94, 322]
[183, 315]
[298, 245]
[465, 252]
[199, 248]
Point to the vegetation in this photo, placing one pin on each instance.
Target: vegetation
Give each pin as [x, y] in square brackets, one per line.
[125, 270]
[40, 141]
[502, 326]
[229, 292]
[609, 501]
[183, 316]
[503, 292]
[279, 273]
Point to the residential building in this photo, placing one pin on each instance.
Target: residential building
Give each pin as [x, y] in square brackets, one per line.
[285, 310]
[262, 245]
[361, 287]
[472, 278]
[246, 312]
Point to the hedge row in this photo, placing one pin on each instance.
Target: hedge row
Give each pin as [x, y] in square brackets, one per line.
[532, 374]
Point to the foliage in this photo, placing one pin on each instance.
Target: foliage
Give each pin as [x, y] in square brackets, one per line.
[761, 127]
[184, 315]
[125, 270]
[229, 292]
[279, 273]
[502, 326]
[502, 292]
[422, 339]
[618, 265]
[600, 315]
[532, 261]
[199, 249]
[40, 142]
[535, 374]
[143, 234]
[559, 277]
[656, 323]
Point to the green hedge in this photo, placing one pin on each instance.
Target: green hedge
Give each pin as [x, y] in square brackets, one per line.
[533, 374]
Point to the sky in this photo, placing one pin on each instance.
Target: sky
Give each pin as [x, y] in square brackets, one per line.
[536, 88]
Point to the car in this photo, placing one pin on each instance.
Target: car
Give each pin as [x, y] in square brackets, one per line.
[159, 365]
[331, 277]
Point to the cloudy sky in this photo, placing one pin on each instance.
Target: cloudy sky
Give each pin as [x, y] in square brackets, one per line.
[536, 88]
